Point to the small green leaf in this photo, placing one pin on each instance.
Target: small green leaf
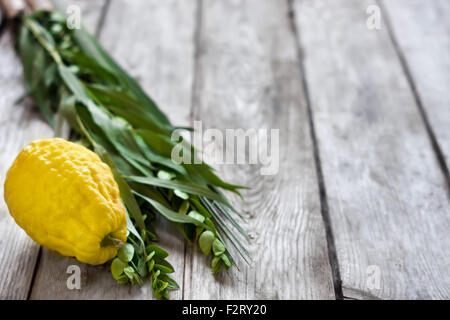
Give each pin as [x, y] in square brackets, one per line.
[164, 175]
[172, 284]
[56, 28]
[129, 271]
[162, 285]
[123, 279]
[151, 264]
[159, 252]
[158, 294]
[155, 278]
[198, 232]
[117, 267]
[136, 279]
[225, 260]
[210, 224]
[218, 247]
[142, 268]
[184, 207]
[217, 265]
[56, 16]
[170, 214]
[183, 187]
[206, 242]
[215, 261]
[126, 253]
[181, 194]
[196, 216]
[167, 267]
[150, 256]
[163, 269]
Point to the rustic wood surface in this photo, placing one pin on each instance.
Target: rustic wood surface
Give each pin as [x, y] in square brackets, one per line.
[248, 77]
[363, 116]
[386, 194]
[20, 123]
[422, 30]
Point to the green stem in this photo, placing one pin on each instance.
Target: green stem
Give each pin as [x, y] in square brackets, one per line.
[53, 53]
[110, 241]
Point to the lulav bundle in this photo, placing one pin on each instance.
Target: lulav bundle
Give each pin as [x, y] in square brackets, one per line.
[67, 73]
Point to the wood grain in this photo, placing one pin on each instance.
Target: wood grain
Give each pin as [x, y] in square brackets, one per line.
[248, 77]
[386, 193]
[154, 42]
[422, 31]
[20, 124]
[234, 64]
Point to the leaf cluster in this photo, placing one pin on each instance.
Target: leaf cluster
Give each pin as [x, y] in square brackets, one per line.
[72, 79]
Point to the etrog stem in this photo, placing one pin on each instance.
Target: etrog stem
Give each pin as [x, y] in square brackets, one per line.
[110, 241]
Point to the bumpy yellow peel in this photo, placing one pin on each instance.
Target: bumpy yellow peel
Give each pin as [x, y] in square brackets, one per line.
[66, 199]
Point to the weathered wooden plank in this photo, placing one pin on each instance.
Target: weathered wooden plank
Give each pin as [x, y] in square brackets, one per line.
[422, 31]
[19, 125]
[153, 40]
[386, 193]
[248, 77]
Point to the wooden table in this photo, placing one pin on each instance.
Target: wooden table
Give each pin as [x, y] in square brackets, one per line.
[360, 206]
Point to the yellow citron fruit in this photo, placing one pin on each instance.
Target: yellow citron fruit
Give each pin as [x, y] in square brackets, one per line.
[67, 200]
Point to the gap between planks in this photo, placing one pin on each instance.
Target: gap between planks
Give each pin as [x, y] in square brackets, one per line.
[386, 193]
[332, 254]
[235, 35]
[440, 156]
[195, 59]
